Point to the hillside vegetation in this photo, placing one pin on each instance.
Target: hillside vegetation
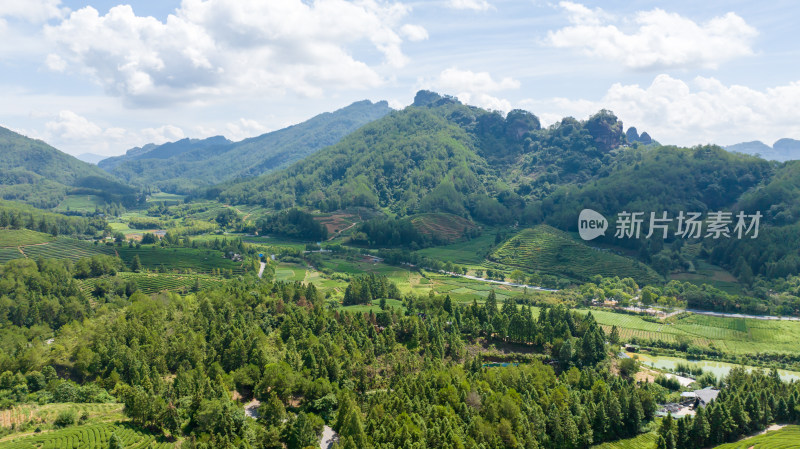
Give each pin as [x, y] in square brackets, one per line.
[180, 167]
[36, 173]
[550, 251]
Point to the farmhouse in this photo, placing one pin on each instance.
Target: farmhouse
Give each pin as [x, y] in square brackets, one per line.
[702, 397]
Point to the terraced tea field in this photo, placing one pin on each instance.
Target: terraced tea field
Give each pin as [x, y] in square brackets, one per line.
[22, 237]
[158, 282]
[92, 436]
[472, 252]
[786, 438]
[447, 227]
[66, 248]
[181, 259]
[46, 414]
[550, 251]
[734, 335]
[59, 248]
[643, 441]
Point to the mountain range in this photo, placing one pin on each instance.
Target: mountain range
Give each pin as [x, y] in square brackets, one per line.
[184, 165]
[782, 150]
[34, 172]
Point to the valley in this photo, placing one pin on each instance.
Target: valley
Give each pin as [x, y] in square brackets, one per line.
[412, 274]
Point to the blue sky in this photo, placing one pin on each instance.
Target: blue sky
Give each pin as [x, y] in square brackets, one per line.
[103, 76]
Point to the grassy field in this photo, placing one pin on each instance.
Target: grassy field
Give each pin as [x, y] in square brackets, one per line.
[706, 273]
[80, 203]
[22, 237]
[167, 198]
[643, 441]
[447, 227]
[732, 335]
[180, 259]
[550, 251]
[788, 437]
[472, 252]
[90, 436]
[158, 282]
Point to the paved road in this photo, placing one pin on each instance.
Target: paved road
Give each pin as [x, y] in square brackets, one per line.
[739, 315]
[261, 270]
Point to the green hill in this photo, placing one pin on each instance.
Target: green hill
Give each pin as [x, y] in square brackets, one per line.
[36, 173]
[550, 251]
[181, 166]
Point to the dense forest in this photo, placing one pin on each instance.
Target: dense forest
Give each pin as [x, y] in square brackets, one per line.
[382, 380]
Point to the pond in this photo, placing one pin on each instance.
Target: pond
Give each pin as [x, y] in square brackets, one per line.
[719, 369]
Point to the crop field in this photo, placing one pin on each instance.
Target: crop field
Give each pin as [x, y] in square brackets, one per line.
[785, 438]
[443, 226]
[643, 441]
[159, 282]
[550, 251]
[290, 272]
[46, 414]
[80, 203]
[469, 252]
[733, 335]
[336, 223]
[66, 248]
[712, 275]
[91, 436]
[7, 254]
[167, 198]
[22, 237]
[180, 259]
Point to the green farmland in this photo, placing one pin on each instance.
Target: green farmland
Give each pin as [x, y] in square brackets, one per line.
[58, 248]
[180, 259]
[22, 237]
[158, 282]
[786, 438]
[93, 436]
[550, 251]
[732, 335]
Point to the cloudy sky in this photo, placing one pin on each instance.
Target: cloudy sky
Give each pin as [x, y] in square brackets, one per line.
[103, 76]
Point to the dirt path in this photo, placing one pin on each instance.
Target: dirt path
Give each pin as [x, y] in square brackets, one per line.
[329, 437]
[261, 270]
[338, 233]
[251, 408]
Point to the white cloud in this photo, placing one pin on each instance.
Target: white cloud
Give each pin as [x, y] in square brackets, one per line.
[414, 32]
[161, 134]
[473, 87]
[229, 47]
[35, 11]
[71, 126]
[703, 110]
[243, 129]
[659, 39]
[55, 63]
[467, 80]
[77, 134]
[475, 5]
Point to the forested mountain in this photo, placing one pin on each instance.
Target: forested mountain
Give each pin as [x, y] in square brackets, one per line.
[782, 150]
[439, 155]
[164, 151]
[184, 165]
[36, 173]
